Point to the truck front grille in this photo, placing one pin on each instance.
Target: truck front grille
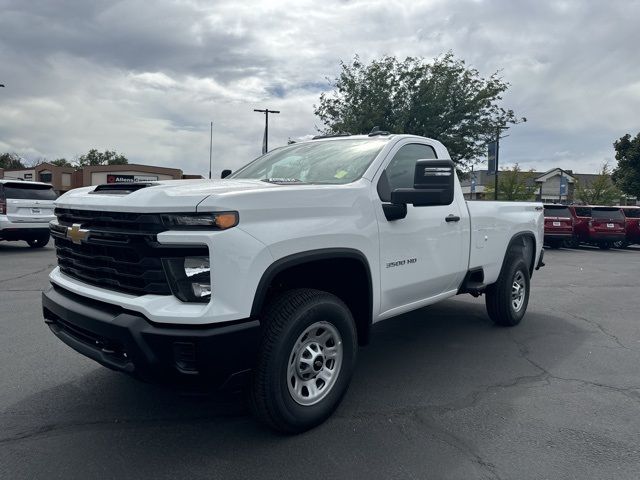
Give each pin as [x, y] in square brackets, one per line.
[121, 251]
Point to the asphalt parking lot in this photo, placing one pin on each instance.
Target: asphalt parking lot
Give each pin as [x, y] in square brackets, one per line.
[440, 393]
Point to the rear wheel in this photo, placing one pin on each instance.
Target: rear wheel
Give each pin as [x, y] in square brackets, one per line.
[507, 299]
[39, 241]
[305, 360]
[554, 243]
[621, 244]
[604, 245]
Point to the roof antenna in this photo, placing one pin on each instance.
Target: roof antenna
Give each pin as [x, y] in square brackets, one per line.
[376, 131]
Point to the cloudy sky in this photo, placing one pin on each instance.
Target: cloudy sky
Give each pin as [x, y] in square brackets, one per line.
[145, 78]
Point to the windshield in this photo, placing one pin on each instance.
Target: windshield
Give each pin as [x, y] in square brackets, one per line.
[607, 214]
[556, 212]
[331, 162]
[29, 191]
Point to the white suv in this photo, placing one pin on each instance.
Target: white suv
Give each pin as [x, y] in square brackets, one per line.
[26, 208]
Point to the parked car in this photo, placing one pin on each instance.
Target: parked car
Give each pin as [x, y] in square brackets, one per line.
[581, 216]
[558, 225]
[632, 226]
[26, 208]
[273, 277]
[607, 226]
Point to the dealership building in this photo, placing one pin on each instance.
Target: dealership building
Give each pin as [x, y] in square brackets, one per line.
[64, 179]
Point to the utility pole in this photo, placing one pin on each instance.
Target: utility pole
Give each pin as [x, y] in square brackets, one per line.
[265, 139]
[210, 149]
[499, 128]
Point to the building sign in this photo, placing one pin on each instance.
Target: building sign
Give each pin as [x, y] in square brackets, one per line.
[28, 176]
[114, 178]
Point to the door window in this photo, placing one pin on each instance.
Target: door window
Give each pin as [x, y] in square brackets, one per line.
[401, 170]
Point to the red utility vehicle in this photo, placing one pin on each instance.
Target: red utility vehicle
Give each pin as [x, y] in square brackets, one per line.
[607, 226]
[558, 225]
[581, 216]
[632, 225]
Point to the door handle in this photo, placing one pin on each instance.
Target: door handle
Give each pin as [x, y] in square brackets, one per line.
[452, 218]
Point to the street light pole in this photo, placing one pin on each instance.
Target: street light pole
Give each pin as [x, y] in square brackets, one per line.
[210, 149]
[265, 140]
[495, 189]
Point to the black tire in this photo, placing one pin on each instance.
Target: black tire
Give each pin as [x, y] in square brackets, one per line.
[499, 295]
[285, 320]
[554, 243]
[39, 241]
[621, 244]
[604, 245]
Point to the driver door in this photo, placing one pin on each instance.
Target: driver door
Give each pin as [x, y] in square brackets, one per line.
[422, 255]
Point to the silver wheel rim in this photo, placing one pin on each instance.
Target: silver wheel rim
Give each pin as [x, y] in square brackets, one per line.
[314, 363]
[518, 290]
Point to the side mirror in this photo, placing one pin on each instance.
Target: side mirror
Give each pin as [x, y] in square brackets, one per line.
[225, 173]
[433, 184]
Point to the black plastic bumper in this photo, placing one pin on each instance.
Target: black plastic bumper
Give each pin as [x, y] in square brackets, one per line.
[606, 237]
[14, 234]
[216, 357]
[558, 236]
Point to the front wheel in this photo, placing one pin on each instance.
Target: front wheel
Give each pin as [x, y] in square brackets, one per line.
[305, 361]
[507, 299]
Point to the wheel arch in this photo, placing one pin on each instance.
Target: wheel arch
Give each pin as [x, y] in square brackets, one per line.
[317, 269]
[526, 241]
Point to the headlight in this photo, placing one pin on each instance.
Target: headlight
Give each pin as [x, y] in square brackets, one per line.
[193, 221]
[189, 278]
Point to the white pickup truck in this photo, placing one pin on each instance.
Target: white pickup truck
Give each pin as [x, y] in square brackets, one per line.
[272, 277]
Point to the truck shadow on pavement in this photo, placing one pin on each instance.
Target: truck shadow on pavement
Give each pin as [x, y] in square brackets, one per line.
[420, 372]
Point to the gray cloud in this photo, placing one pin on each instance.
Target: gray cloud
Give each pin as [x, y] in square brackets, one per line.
[146, 78]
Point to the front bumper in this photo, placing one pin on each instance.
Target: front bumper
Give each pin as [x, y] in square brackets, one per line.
[123, 340]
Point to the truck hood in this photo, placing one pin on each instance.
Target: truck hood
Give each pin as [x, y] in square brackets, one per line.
[163, 196]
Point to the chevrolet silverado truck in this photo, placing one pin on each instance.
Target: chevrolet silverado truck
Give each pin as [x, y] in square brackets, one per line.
[272, 278]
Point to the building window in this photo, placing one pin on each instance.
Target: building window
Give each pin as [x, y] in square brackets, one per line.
[45, 177]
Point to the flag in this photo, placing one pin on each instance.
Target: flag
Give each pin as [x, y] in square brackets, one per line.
[492, 158]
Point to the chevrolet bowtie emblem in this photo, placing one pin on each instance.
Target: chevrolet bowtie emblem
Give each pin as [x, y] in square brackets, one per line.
[77, 234]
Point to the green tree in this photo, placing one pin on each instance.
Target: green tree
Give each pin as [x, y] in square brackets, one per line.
[513, 185]
[626, 175]
[600, 191]
[61, 162]
[10, 160]
[108, 157]
[444, 99]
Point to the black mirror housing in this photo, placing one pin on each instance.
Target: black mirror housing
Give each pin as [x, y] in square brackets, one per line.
[433, 184]
[225, 173]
